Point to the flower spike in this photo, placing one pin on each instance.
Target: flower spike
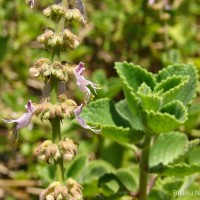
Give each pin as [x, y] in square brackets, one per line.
[83, 83]
[22, 121]
[82, 122]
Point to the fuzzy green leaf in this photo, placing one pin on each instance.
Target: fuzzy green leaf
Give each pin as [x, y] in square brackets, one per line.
[103, 113]
[187, 92]
[77, 166]
[177, 109]
[133, 76]
[170, 117]
[124, 110]
[127, 178]
[171, 88]
[181, 169]
[167, 148]
[94, 170]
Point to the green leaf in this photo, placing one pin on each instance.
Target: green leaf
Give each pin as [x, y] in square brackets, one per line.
[94, 170]
[176, 170]
[133, 76]
[125, 112]
[157, 122]
[103, 112]
[77, 166]
[127, 178]
[170, 117]
[188, 92]
[167, 148]
[177, 109]
[171, 88]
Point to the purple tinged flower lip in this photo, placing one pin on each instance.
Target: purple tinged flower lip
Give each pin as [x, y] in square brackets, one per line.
[22, 121]
[82, 122]
[84, 83]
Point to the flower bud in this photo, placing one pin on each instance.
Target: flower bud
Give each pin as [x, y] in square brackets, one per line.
[58, 9]
[47, 12]
[75, 189]
[49, 197]
[48, 151]
[41, 39]
[68, 14]
[69, 149]
[70, 39]
[49, 192]
[77, 16]
[34, 72]
[67, 106]
[48, 34]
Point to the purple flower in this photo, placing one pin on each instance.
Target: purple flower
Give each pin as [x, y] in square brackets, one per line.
[82, 122]
[22, 121]
[83, 83]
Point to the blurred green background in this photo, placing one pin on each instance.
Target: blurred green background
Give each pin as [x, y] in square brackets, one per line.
[117, 30]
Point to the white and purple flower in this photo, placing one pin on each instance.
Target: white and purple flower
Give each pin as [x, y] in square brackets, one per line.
[82, 122]
[31, 3]
[83, 83]
[22, 121]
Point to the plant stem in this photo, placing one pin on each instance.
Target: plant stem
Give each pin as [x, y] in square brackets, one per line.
[55, 122]
[144, 165]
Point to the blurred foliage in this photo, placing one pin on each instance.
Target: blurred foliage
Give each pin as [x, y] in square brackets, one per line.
[117, 30]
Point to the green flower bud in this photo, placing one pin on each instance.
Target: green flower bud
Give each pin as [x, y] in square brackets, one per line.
[68, 15]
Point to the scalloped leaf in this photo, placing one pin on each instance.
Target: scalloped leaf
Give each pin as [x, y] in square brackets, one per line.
[170, 117]
[103, 113]
[133, 75]
[188, 92]
[124, 110]
[181, 169]
[168, 148]
[149, 100]
[171, 88]
[177, 109]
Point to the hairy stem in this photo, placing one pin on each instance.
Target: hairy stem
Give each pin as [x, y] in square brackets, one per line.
[55, 122]
[144, 165]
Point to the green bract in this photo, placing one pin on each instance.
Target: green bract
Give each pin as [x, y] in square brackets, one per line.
[153, 104]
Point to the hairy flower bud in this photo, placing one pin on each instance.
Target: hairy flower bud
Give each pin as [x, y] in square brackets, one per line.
[75, 189]
[34, 72]
[58, 9]
[67, 106]
[69, 148]
[68, 14]
[48, 151]
[47, 12]
[77, 16]
[70, 39]
[47, 193]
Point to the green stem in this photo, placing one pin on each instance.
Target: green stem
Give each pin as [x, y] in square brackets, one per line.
[55, 122]
[144, 165]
